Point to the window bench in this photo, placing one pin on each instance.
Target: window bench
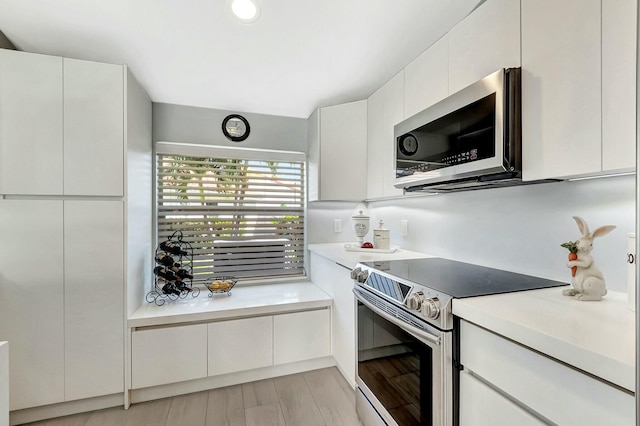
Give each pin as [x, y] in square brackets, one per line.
[206, 342]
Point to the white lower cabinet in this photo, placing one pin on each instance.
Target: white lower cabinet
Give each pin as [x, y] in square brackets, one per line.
[31, 299]
[485, 406]
[93, 298]
[180, 353]
[242, 344]
[526, 380]
[301, 335]
[168, 355]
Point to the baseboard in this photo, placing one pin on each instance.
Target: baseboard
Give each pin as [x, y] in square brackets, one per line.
[29, 415]
[181, 388]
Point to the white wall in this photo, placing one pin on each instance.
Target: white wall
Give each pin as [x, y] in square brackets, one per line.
[518, 229]
[178, 123]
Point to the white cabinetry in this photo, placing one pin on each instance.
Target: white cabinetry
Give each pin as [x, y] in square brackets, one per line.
[523, 378]
[483, 42]
[93, 298]
[30, 110]
[238, 345]
[578, 63]
[168, 355]
[338, 152]
[31, 299]
[301, 335]
[385, 109]
[336, 282]
[4, 383]
[427, 78]
[618, 84]
[93, 128]
[71, 113]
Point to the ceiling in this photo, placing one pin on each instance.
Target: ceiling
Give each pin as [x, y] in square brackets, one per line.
[299, 55]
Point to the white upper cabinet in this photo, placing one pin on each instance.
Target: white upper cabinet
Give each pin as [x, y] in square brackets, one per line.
[93, 128]
[30, 123]
[561, 88]
[338, 152]
[62, 127]
[485, 41]
[618, 84]
[385, 109]
[426, 79]
[578, 87]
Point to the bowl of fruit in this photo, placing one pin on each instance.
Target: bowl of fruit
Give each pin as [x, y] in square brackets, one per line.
[221, 285]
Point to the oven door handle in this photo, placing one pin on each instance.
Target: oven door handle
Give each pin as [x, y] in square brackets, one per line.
[397, 321]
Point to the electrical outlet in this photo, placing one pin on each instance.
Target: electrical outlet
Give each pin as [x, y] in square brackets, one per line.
[404, 227]
[337, 225]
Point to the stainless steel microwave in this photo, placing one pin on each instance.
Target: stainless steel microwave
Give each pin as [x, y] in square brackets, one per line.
[469, 140]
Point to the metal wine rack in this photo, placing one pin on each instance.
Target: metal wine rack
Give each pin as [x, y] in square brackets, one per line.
[171, 286]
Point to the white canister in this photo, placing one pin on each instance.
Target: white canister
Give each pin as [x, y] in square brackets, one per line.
[381, 238]
[631, 270]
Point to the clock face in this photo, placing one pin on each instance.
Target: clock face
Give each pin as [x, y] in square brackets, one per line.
[408, 145]
[236, 128]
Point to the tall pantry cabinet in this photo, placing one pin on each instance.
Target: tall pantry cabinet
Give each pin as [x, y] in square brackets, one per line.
[71, 134]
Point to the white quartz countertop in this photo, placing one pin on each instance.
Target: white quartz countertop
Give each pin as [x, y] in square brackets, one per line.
[349, 259]
[597, 337]
[248, 300]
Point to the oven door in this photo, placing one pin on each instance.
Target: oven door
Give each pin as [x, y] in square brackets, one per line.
[404, 370]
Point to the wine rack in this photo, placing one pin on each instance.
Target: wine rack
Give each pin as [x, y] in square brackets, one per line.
[173, 273]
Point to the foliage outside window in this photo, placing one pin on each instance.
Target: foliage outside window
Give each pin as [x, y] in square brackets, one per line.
[244, 216]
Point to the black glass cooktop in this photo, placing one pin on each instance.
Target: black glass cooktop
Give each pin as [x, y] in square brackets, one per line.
[458, 279]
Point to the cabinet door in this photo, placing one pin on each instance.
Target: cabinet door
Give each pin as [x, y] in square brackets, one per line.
[343, 152]
[93, 128]
[313, 159]
[301, 335]
[168, 355]
[427, 78]
[561, 87]
[239, 345]
[31, 299]
[31, 123]
[480, 405]
[385, 109]
[94, 298]
[527, 376]
[483, 42]
[618, 84]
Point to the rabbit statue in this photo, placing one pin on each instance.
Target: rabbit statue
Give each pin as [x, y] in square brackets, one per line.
[588, 282]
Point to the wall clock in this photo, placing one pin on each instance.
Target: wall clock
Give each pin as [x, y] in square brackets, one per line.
[408, 145]
[235, 127]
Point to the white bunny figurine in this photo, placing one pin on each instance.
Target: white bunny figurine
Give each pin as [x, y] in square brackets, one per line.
[588, 283]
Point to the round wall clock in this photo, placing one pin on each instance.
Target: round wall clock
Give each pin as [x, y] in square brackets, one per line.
[408, 144]
[235, 127]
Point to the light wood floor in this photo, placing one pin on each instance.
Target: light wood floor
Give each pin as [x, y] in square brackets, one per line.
[314, 398]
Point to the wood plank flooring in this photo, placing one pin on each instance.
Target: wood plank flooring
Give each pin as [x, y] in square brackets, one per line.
[314, 398]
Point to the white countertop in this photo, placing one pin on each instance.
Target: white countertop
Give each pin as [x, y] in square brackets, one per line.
[597, 337]
[248, 300]
[349, 259]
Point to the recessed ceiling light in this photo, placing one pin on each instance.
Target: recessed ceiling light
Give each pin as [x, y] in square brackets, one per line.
[245, 10]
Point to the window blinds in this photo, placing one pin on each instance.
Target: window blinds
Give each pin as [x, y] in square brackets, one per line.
[244, 217]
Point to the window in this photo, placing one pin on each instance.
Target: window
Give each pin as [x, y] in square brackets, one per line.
[241, 210]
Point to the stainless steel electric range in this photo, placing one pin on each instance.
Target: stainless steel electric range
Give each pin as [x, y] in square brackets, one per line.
[407, 350]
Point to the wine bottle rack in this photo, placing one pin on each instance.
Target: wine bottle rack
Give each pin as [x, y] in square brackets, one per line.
[173, 273]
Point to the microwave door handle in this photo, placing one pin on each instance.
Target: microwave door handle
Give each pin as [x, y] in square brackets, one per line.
[398, 322]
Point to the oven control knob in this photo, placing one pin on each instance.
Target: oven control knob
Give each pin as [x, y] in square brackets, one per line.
[414, 301]
[355, 272]
[362, 276]
[431, 308]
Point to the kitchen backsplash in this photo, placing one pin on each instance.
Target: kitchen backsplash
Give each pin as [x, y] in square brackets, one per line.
[518, 229]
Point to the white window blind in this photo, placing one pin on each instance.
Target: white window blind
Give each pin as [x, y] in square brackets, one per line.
[244, 217]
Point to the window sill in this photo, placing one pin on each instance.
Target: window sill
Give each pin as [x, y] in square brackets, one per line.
[245, 301]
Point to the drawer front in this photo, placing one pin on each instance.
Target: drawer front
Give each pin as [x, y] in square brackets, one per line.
[302, 335]
[168, 355]
[549, 388]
